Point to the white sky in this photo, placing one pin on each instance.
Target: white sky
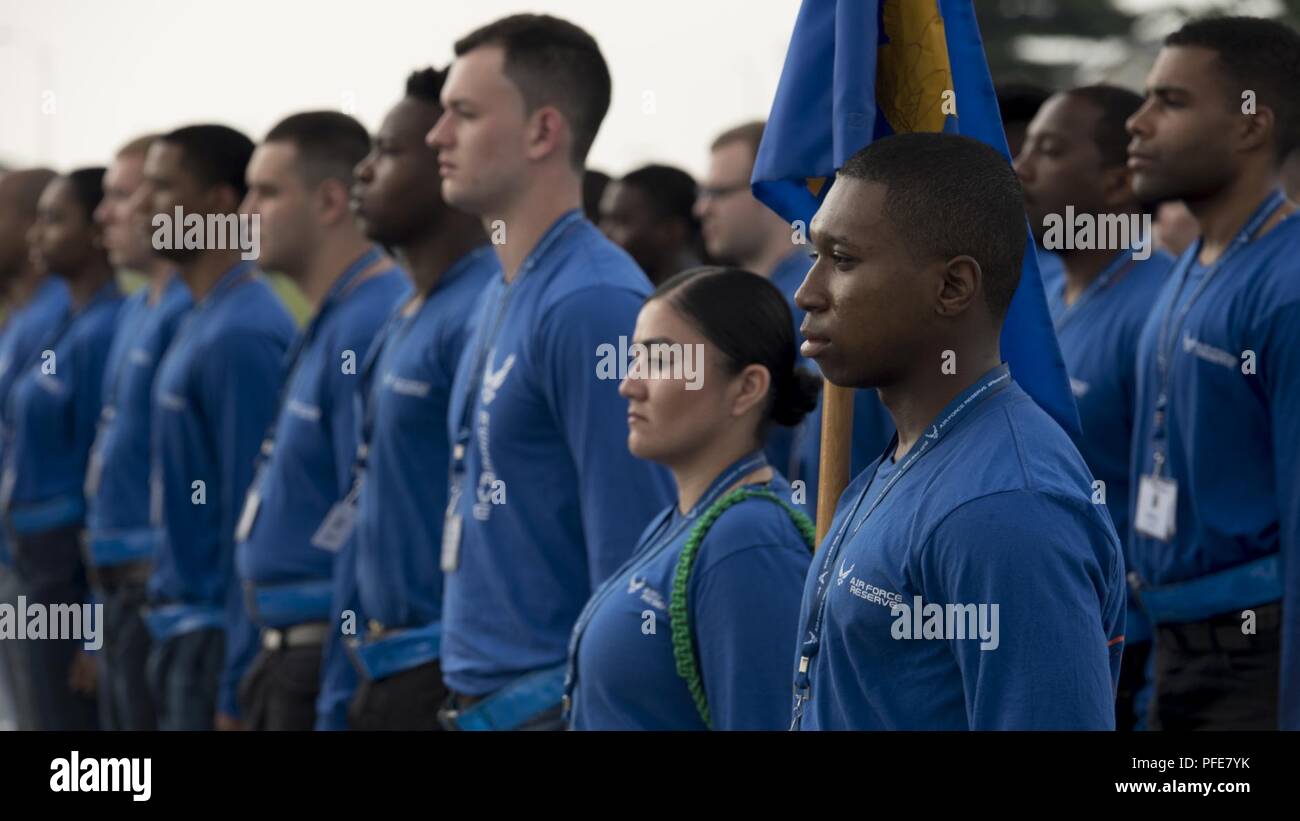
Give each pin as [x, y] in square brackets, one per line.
[80, 77]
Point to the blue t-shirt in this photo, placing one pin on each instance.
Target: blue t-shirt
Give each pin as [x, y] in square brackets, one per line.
[214, 397]
[1098, 337]
[404, 496]
[53, 407]
[309, 468]
[24, 330]
[552, 500]
[743, 605]
[997, 512]
[1233, 429]
[118, 483]
[389, 571]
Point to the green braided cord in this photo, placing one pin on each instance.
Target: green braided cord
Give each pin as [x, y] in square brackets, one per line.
[678, 610]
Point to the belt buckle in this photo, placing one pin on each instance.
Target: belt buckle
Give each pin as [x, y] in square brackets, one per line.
[453, 708]
[272, 639]
[449, 718]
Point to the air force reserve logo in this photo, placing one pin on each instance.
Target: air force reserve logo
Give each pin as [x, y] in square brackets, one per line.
[494, 379]
[844, 572]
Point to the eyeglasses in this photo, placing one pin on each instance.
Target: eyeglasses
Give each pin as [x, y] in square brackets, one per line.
[718, 193]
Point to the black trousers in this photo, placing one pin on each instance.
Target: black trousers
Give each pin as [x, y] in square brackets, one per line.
[1132, 678]
[50, 567]
[125, 701]
[184, 674]
[408, 700]
[279, 690]
[1212, 676]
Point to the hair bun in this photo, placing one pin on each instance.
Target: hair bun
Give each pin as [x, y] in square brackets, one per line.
[796, 397]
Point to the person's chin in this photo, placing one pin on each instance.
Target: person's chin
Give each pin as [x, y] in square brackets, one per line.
[178, 255]
[271, 263]
[1152, 187]
[842, 374]
[836, 376]
[456, 196]
[639, 447]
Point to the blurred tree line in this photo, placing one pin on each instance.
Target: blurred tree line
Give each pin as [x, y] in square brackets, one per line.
[1005, 25]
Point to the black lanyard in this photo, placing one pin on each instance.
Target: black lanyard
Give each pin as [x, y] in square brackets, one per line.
[993, 382]
[1167, 340]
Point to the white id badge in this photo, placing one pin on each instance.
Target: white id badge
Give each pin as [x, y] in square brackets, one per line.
[337, 525]
[450, 542]
[251, 503]
[94, 471]
[1157, 507]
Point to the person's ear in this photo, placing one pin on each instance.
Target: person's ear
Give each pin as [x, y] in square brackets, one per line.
[1257, 130]
[960, 283]
[547, 133]
[332, 201]
[751, 386]
[223, 199]
[1117, 189]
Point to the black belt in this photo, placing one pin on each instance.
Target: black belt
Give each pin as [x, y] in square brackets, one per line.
[1221, 632]
[311, 634]
[115, 576]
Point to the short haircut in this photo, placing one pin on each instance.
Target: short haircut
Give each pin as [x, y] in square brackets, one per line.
[671, 191]
[751, 134]
[947, 196]
[552, 62]
[1116, 106]
[1019, 102]
[137, 147]
[28, 183]
[1259, 55]
[329, 144]
[215, 154]
[88, 188]
[425, 85]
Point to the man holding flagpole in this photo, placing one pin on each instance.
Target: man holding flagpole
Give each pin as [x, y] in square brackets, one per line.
[968, 581]
[858, 71]
[981, 509]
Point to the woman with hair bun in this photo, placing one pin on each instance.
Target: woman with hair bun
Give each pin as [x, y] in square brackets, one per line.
[697, 630]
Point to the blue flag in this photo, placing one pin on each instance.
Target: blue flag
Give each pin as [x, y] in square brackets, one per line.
[861, 70]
